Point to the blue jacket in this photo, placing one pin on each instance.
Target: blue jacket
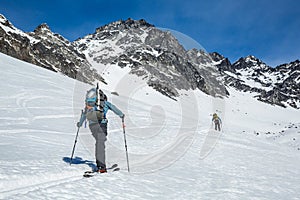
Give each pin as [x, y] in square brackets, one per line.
[107, 106]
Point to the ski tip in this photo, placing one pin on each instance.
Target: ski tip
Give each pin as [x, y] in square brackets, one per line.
[117, 169]
[87, 175]
[114, 166]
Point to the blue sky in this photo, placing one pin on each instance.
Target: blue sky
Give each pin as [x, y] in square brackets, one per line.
[267, 29]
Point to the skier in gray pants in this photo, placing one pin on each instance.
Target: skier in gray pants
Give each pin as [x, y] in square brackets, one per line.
[99, 131]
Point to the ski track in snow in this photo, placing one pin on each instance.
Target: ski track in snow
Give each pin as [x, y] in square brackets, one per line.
[170, 157]
[20, 192]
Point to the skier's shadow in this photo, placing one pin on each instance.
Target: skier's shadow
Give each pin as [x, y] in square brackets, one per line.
[79, 161]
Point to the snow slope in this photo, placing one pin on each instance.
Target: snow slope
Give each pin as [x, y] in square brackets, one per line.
[173, 152]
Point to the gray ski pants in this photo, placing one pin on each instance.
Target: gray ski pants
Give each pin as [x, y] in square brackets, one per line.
[99, 132]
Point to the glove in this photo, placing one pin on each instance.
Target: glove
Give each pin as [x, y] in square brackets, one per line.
[123, 116]
[78, 124]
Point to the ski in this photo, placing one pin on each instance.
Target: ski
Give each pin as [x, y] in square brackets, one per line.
[91, 173]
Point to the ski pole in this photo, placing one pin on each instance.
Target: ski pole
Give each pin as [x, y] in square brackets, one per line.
[75, 141]
[125, 144]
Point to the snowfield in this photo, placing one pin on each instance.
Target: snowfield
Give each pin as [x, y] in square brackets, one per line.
[173, 151]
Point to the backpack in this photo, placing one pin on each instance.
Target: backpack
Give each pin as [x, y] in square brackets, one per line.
[215, 118]
[94, 101]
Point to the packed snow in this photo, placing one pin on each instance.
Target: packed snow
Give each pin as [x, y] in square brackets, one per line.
[173, 151]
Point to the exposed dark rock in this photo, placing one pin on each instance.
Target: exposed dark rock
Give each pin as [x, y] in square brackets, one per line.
[154, 55]
[284, 91]
[46, 49]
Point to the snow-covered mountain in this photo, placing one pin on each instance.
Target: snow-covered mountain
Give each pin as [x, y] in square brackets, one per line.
[279, 85]
[155, 57]
[152, 54]
[46, 49]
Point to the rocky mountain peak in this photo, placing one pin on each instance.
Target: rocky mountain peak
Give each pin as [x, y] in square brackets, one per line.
[45, 49]
[289, 66]
[216, 56]
[124, 24]
[222, 63]
[277, 86]
[153, 54]
[250, 62]
[5, 22]
[42, 29]
[43, 32]
[2, 19]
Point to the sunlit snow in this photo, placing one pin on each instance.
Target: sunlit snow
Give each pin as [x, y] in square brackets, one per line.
[173, 151]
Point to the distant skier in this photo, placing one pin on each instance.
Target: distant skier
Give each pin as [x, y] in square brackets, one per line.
[217, 121]
[95, 112]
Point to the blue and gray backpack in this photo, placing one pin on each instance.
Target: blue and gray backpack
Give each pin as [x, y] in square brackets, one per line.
[94, 101]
